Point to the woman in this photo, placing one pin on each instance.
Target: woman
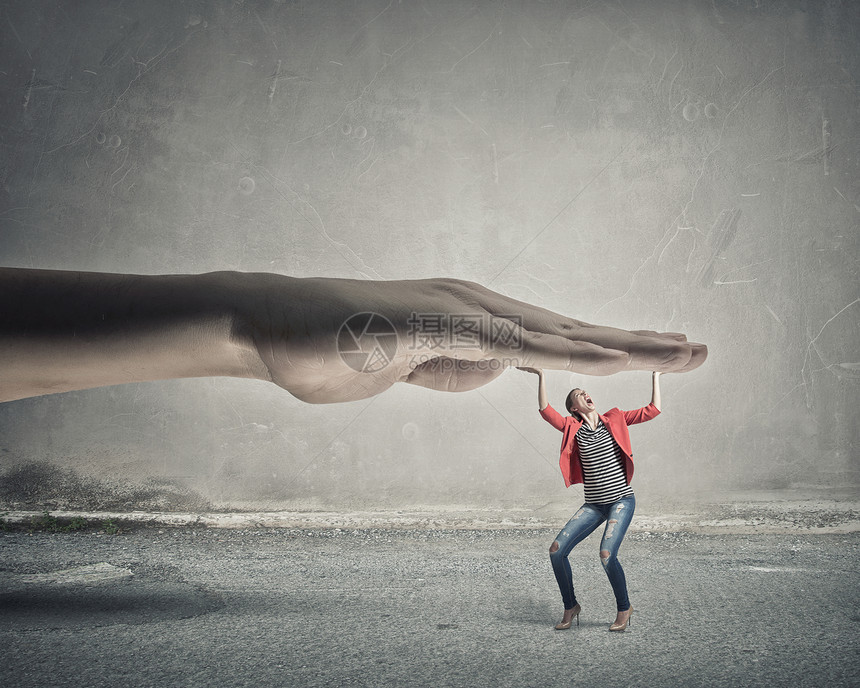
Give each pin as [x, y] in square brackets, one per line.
[595, 451]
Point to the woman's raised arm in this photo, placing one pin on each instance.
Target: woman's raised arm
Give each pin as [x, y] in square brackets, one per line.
[655, 389]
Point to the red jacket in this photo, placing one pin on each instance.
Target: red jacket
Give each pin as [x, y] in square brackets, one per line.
[616, 422]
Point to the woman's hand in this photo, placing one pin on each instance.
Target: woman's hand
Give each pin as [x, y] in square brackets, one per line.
[655, 389]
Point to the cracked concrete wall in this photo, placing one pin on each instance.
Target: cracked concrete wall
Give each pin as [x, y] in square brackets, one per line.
[685, 166]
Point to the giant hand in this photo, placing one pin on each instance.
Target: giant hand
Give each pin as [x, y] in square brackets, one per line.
[477, 334]
[322, 339]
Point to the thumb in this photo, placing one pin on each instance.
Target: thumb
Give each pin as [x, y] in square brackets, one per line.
[455, 375]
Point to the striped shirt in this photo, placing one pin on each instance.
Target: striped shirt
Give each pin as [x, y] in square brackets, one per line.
[603, 475]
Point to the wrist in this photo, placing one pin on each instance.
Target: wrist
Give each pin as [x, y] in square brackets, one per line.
[261, 306]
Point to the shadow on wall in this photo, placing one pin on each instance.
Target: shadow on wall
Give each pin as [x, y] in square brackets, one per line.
[42, 485]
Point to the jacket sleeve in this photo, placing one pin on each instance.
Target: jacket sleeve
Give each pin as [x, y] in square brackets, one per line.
[553, 417]
[641, 415]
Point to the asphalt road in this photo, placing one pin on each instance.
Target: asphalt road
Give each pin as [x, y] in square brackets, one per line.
[281, 607]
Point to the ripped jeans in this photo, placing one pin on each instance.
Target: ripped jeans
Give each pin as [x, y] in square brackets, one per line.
[617, 516]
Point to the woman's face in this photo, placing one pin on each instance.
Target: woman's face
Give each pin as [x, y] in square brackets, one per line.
[581, 401]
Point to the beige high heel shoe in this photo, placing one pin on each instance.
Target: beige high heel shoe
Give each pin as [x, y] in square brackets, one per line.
[564, 625]
[622, 626]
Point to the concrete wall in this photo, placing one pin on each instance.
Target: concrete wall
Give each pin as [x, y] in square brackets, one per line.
[687, 166]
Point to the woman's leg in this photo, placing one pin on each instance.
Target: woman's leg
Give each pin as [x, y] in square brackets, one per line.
[618, 519]
[580, 526]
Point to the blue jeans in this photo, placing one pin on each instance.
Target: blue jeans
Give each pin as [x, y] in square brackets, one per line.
[617, 516]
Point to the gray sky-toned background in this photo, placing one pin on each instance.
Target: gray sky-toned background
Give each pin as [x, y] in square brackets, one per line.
[684, 166]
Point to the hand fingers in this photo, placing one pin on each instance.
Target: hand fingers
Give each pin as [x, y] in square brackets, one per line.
[591, 350]
[647, 349]
[699, 354]
[559, 353]
[669, 335]
[645, 352]
[455, 375]
[517, 347]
